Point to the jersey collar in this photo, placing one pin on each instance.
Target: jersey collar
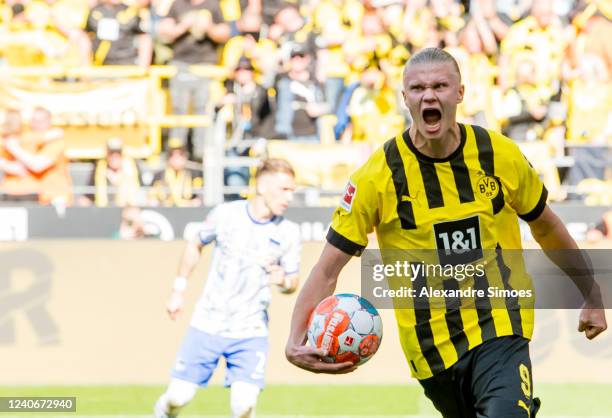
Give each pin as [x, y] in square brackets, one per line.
[273, 219]
[421, 156]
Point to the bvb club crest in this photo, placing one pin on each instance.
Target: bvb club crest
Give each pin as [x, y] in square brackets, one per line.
[488, 187]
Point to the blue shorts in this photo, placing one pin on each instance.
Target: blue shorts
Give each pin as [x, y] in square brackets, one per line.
[200, 353]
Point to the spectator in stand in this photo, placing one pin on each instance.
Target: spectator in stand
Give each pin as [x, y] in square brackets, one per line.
[118, 35]
[14, 186]
[589, 122]
[42, 33]
[593, 26]
[249, 100]
[245, 39]
[525, 104]
[372, 44]
[448, 15]
[476, 45]
[290, 29]
[251, 118]
[525, 113]
[499, 14]
[331, 63]
[249, 41]
[417, 24]
[134, 225]
[589, 95]
[195, 30]
[299, 99]
[177, 185]
[542, 35]
[270, 8]
[511, 11]
[116, 179]
[425, 22]
[33, 162]
[372, 108]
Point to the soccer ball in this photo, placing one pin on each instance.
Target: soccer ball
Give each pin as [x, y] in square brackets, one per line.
[347, 327]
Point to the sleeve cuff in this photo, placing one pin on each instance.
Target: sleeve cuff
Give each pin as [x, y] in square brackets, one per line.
[344, 244]
[538, 209]
[206, 239]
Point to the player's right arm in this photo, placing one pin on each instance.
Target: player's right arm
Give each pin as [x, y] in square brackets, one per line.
[189, 260]
[320, 284]
[353, 220]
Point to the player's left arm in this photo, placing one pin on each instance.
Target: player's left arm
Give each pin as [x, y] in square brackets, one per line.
[552, 235]
[528, 198]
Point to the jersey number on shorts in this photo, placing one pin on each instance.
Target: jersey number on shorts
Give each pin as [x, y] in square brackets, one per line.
[525, 380]
[525, 387]
[260, 368]
[458, 242]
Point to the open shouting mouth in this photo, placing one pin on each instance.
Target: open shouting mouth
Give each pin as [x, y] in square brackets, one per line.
[432, 118]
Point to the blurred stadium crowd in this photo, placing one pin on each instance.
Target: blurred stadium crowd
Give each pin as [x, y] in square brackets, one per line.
[314, 71]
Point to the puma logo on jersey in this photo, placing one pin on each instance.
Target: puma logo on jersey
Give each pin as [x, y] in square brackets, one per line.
[407, 198]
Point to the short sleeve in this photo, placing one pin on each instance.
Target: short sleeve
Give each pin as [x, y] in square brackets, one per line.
[356, 216]
[208, 231]
[529, 198]
[290, 260]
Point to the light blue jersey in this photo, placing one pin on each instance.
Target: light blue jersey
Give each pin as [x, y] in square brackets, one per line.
[236, 296]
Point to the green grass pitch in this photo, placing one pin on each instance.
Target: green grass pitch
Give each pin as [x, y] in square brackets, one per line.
[559, 400]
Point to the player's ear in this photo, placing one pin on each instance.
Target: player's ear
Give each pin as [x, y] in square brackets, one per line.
[460, 93]
[261, 185]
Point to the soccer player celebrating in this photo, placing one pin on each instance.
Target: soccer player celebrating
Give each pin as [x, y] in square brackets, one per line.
[255, 247]
[456, 189]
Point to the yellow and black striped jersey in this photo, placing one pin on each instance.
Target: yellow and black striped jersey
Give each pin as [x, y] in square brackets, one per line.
[469, 201]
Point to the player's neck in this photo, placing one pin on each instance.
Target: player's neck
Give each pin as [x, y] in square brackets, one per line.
[258, 209]
[439, 147]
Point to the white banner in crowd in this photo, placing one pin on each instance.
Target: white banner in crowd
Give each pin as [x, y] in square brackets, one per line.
[89, 111]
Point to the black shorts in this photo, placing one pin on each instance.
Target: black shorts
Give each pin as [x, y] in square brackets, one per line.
[492, 380]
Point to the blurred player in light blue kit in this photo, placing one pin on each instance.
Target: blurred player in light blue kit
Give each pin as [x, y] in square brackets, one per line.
[255, 248]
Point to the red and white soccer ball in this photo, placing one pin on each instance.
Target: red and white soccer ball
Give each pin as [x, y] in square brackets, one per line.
[347, 327]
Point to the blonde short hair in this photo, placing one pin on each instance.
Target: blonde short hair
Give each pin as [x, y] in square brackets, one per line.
[274, 165]
[431, 56]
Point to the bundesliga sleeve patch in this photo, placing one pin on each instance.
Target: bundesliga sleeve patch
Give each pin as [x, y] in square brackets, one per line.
[349, 195]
